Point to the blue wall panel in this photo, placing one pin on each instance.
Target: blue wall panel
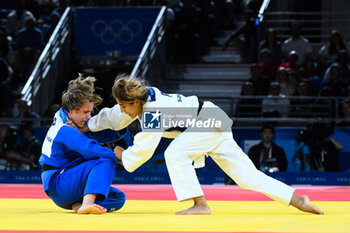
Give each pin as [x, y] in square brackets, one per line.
[99, 30]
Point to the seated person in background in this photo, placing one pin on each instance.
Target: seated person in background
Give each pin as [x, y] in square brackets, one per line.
[345, 116]
[292, 62]
[276, 104]
[260, 83]
[271, 43]
[344, 68]
[11, 148]
[248, 107]
[16, 18]
[267, 68]
[329, 155]
[6, 51]
[8, 97]
[335, 83]
[30, 42]
[297, 43]
[247, 46]
[22, 111]
[305, 105]
[288, 81]
[30, 151]
[329, 52]
[267, 156]
[3, 144]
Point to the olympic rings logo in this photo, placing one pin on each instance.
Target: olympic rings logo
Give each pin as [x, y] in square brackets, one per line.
[125, 33]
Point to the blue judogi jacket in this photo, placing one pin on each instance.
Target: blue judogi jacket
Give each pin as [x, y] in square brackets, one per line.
[65, 146]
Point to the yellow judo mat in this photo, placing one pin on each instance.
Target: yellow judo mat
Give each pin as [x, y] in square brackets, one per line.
[42, 215]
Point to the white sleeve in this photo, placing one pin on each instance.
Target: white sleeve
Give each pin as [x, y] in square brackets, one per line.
[110, 118]
[145, 143]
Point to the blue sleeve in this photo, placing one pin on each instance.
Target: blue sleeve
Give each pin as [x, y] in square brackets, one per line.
[108, 135]
[80, 143]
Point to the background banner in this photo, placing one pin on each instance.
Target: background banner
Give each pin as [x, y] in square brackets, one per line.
[99, 30]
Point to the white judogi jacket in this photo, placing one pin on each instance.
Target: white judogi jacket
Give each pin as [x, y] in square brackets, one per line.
[145, 143]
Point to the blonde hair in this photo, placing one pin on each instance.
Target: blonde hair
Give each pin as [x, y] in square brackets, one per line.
[80, 91]
[128, 88]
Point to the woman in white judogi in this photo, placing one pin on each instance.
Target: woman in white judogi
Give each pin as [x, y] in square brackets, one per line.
[187, 151]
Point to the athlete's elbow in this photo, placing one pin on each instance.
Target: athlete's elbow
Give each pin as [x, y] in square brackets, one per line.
[130, 168]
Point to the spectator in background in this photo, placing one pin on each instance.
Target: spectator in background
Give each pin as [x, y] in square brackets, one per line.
[345, 114]
[324, 107]
[174, 3]
[299, 44]
[273, 44]
[22, 111]
[3, 144]
[304, 106]
[267, 68]
[11, 148]
[288, 81]
[16, 18]
[29, 153]
[260, 83]
[46, 9]
[276, 104]
[329, 157]
[268, 156]
[62, 5]
[343, 65]
[170, 15]
[6, 51]
[30, 42]
[248, 107]
[292, 62]
[335, 83]
[248, 45]
[7, 96]
[329, 53]
[49, 28]
[186, 31]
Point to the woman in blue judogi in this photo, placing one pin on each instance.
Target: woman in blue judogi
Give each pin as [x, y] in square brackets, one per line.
[77, 171]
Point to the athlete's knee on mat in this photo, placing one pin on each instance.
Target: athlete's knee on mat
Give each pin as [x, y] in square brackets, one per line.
[63, 205]
[117, 202]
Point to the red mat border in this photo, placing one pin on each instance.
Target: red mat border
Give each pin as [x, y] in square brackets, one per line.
[22, 231]
[165, 192]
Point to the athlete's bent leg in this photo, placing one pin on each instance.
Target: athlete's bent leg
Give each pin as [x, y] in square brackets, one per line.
[184, 180]
[114, 201]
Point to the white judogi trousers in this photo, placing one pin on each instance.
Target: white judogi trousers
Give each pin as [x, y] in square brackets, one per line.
[193, 146]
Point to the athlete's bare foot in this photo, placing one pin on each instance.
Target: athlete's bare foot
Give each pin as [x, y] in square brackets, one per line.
[91, 209]
[195, 210]
[303, 203]
[200, 206]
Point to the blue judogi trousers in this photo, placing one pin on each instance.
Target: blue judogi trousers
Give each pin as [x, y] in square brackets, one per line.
[69, 186]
